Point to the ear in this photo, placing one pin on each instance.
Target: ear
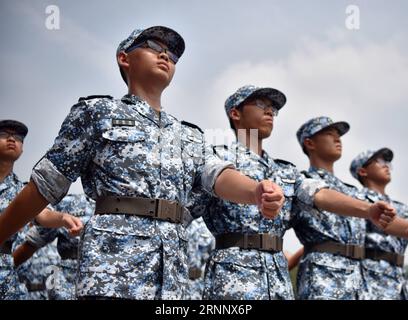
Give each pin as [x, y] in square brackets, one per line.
[235, 114]
[362, 172]
[123, 60]
[309, 144]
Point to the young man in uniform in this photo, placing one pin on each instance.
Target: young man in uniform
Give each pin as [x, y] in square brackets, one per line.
[12, 134]
[382, 267]
[139, 164]
[248, 262]
[334, 245]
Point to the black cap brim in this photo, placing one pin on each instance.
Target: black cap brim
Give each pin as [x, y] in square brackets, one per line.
[342, 127]
[18, 126]
[272, 94]
[177, 45]
[384, 153]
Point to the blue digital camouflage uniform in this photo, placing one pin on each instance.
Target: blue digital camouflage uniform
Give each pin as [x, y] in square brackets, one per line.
[382, 280]
[325, 275]
[200, 245]
[128, 256]
[10, 287]
[35, 270]
[235, 273]
[61, 282]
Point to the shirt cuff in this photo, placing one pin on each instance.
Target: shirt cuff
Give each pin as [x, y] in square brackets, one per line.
[211, 173]
[308, 189]
[51, 183]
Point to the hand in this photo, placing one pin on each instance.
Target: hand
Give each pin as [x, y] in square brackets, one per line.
[381, 214]
[269, 198]
[72, 224]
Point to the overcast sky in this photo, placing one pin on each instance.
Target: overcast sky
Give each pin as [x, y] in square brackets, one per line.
[301, 48]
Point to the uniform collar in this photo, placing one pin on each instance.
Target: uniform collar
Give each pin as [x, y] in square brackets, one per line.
[8, 181]
[373, 193]
[321, 172]
[265, 159]
[147, 111]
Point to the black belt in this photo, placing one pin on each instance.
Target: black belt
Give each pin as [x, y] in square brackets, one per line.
[154, 208]
[393, 258]
[194, 273]
[71, 253]
[35, 286]
[347, 250]
[258, 241]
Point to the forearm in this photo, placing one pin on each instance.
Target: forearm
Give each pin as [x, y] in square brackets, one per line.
[28, 203]
[23, 253]
[398, 227]
[235, 187]
[333, 201]
[294, 259]
[50, 219]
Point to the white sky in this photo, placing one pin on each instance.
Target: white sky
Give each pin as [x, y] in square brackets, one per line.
[301, 48]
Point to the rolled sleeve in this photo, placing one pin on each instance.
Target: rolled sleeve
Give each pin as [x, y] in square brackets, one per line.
[51, 183]
[39, 237]
[307, 190]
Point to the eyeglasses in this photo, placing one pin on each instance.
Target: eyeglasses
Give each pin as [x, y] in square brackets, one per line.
[263, 105]
[16, 136]
[155, 47]
[381, 162]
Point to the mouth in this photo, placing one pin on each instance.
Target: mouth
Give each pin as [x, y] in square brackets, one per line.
[163, 66]
[269, 120]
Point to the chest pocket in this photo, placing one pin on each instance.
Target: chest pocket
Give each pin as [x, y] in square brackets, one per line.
[124, 148]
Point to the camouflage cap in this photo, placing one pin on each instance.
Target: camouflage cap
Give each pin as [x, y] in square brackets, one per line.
[250, 91]
[18, 126]
[364, 157]
[316, 125]
[168, 36]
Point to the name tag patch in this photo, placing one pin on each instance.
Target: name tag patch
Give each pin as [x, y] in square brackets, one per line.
[123, 122]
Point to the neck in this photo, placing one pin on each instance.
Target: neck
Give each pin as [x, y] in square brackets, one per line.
[151, 94]
[376, 186]
[321, 164]
[6, 167]
[251, 140]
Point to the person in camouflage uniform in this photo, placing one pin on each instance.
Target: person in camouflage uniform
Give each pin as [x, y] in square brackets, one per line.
[325, 275]
[60, 284]
[139, 164]
[12, 134]
[248, 262]
[383, 271]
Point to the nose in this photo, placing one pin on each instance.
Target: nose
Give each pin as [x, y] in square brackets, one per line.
[11, 137]
[268, 111]
[164, 55]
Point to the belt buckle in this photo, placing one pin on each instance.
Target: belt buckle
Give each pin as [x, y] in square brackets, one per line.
[270, 242]
[355, 252]
[167, 210]
[250, 242]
